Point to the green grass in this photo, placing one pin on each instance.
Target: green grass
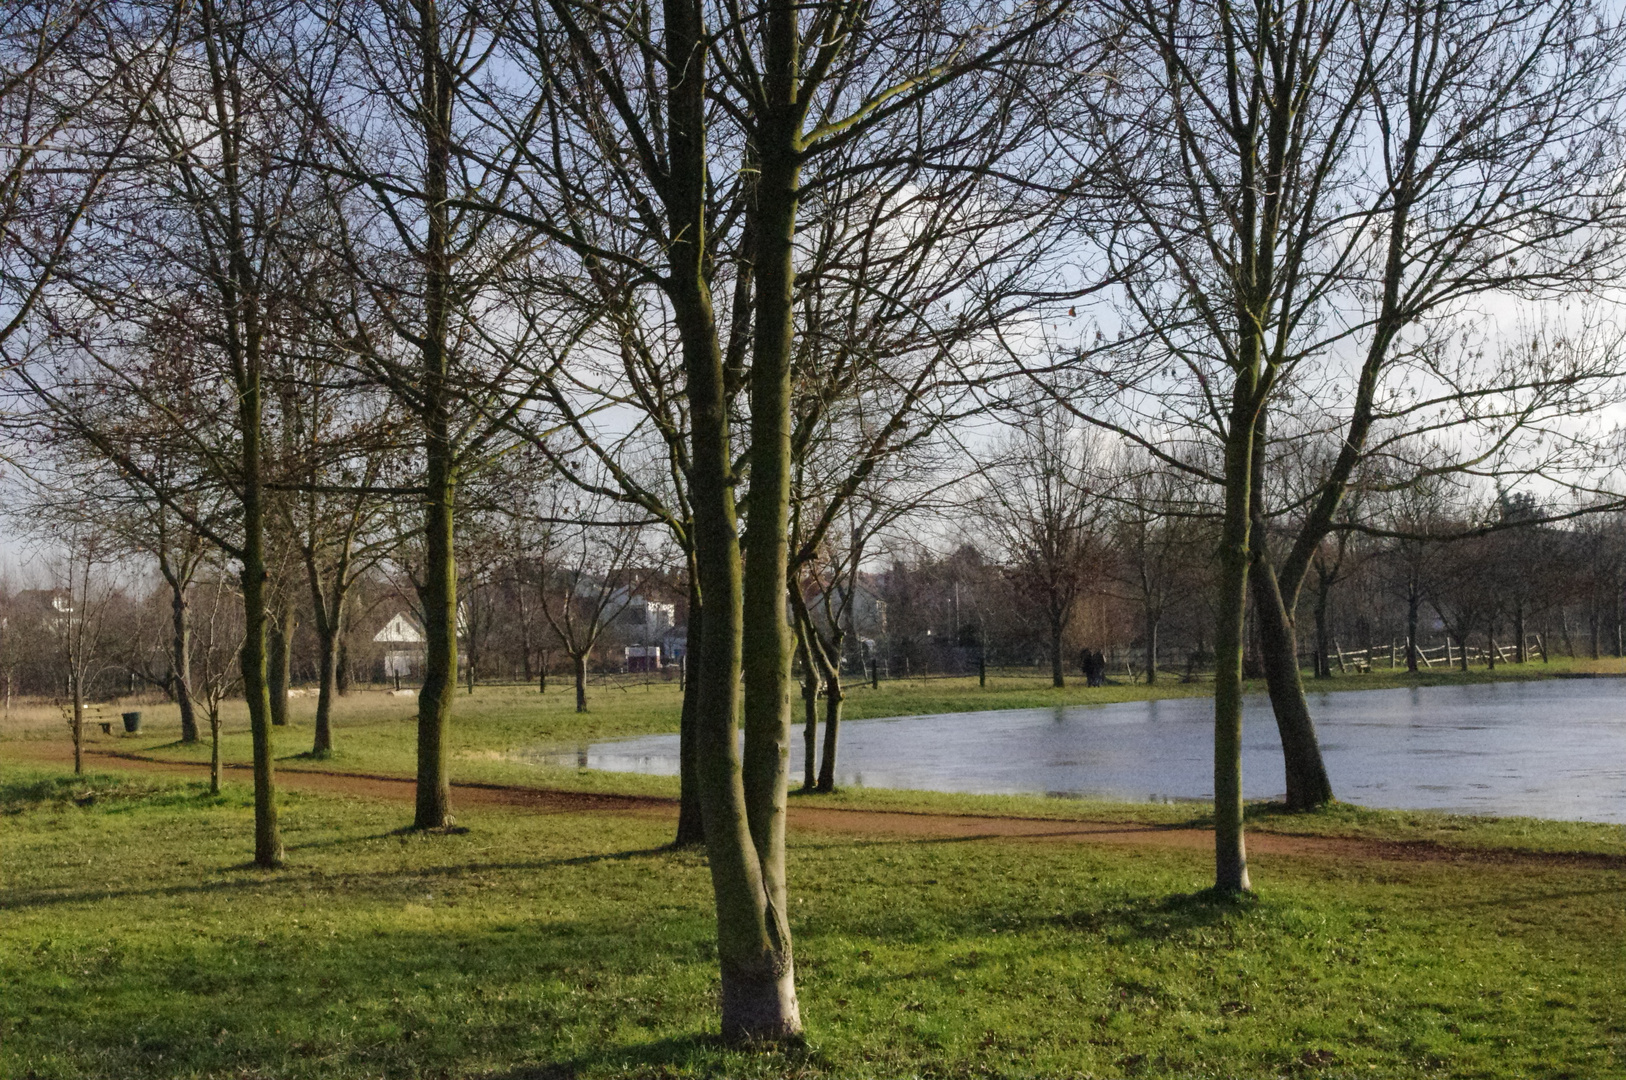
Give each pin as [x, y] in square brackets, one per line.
[134, 943]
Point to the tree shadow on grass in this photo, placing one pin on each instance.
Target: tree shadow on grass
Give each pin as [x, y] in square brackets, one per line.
[1160, 920]
[292, 875]
[703, 1055]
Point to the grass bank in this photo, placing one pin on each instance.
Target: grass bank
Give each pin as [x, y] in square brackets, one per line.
[135, 944]
[375, 729]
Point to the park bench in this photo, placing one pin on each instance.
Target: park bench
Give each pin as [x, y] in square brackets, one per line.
[95, 715]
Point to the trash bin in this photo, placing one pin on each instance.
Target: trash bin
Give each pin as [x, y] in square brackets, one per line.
[132, 722]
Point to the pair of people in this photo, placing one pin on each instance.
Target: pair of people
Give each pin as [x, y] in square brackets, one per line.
[1094, 666]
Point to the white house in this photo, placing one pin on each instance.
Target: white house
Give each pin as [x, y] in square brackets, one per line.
[403, 641]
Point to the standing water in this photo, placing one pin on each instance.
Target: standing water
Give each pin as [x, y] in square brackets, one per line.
[1553, 749]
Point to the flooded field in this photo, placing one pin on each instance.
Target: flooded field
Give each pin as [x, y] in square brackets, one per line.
[1547, 749]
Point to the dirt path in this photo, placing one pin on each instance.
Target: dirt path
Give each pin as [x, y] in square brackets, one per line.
[830, 818]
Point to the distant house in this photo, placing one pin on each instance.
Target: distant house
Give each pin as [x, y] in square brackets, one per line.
[643, 658]
[403, 641]
[49, 608]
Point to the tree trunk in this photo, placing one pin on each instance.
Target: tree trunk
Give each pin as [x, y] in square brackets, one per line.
[1058, 674]
[181, 629]
[1620, 630]
[1151, 647]
[578, 665]
[214, 750]
[759, 993]
[691, 828]
[438, 593]
[1230, 850]
[281, 630]
[1518, 633]
[1308, 786]
[1414, 601]
[327, 671]
[753, 940]
[810, 708]
[833, 696]
[78, 725]
[267, 835]
[1462, 650]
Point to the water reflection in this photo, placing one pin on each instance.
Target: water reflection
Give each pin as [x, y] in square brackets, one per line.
[1549, 749]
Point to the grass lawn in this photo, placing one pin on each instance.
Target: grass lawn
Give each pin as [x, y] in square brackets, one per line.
[135, 944]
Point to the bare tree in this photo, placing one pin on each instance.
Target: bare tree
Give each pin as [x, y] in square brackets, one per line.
[1039, 505]
[1159, 530]
[418, 195]
[219, 637]
[83, 592]
[203, 215]
[1254, 226]
[592, 574]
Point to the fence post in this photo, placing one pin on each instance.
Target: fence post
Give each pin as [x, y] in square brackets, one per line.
[982, 671]
[875, 674]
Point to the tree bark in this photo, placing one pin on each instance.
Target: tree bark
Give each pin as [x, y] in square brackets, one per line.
[1308, 786]
[1058, 670]
[281, 631]
[691, 828]
[1323, 634]
[1230, 850]
[267, 835]
[753, 944]
[1307, 783]
[833, 696]
[759, 993]
[214, 750]
[181, 630]
[78, 726]
[578, 665]
[1414, 601]
[327, 663]
[1151, 647]
[438, 593]
[244, 335]
[810, 707]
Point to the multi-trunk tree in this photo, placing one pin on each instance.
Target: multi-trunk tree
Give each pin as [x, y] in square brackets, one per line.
[1292, 182]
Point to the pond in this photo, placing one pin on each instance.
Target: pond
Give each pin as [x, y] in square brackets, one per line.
[1554, 749]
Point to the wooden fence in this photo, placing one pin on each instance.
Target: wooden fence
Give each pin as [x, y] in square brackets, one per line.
[1446, 655]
